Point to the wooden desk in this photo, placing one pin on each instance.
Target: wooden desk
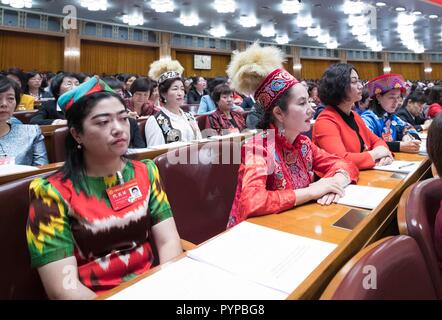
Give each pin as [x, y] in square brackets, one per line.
[40, 169]
[315, 221]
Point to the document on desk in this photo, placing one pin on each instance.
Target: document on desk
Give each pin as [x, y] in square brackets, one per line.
[188, 279]
[172, 145]
[423, 135]
[423, 149]
[272, 258]
[363, 196]
[400, 166]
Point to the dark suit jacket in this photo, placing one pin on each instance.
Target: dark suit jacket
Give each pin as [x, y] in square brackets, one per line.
[193, 97]
[416, 122]
[47, 114]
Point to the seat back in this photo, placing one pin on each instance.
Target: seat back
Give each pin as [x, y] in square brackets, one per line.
[58, 149]
[142, 127]
[391, 269]
[417, 211]
[201, 192]
[201, 120]
[17, 279]
[25, 115]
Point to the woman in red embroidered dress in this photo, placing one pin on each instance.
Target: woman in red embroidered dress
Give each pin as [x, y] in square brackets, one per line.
[279, 165]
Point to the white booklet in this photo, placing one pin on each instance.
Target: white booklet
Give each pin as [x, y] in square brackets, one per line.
[400, 166]
[272, 258]
[363, 196]
[188, 279]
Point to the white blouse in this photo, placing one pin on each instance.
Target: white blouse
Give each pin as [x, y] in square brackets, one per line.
[188, 128]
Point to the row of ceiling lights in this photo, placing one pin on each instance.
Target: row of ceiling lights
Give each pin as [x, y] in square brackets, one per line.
[354, 9]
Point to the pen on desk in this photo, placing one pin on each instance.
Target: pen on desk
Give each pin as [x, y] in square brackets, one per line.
[406, 165]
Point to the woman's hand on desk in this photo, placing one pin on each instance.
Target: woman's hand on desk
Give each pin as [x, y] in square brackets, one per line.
[380, 152]
[318, 190]
[411, 146]
[385, 161]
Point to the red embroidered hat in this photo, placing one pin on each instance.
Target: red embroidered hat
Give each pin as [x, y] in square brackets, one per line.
[385, 83]
[273, 86]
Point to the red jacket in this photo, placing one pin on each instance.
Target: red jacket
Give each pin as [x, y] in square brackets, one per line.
[271, 169]
[434, 110]
[334, 135]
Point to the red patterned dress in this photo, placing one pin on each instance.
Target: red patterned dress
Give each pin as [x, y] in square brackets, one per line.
[272, 169]
[110, 246]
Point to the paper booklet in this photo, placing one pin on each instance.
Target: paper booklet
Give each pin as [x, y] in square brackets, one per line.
[400, 166]
[363, 196]
[247, 262]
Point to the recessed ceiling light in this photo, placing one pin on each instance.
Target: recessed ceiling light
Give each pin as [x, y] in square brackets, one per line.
[400, 9]
[380, 4]
[433, 16]
[417, 13]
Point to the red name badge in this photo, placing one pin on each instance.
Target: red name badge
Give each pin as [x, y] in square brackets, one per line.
[122, 196]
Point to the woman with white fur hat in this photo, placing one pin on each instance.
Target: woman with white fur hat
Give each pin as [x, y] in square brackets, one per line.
[278, 166]
[171, 123]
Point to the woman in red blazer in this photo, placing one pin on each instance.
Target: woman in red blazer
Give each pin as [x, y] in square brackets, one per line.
[339, 129]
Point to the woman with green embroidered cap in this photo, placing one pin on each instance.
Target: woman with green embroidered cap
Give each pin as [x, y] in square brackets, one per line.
[86, 232]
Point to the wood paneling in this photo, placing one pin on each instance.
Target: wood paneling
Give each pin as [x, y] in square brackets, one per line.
[367, 70]
[219, 64]
[314, 69]
[31, 52]
[436, 74]
[289, 65]
[410, 71]
[100, 57]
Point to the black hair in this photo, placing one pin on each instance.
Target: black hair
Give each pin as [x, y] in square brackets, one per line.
[142, 84]
[365, 95]
[114, 83]
[434, 143]
[220, 90]
[415, 96]
[28, 76]
[17, 73]
[268, 118]
[6, 84]
[435, 95]
[82, 76]
[335, 83]
[74, 166]
[164, 86]
[58, 80]
[311, 86]
[215, 82]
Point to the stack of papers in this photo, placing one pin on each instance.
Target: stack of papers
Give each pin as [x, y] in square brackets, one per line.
[247, 262]
[15, 168]
[400, 166]
[363, 196]
[172, 145]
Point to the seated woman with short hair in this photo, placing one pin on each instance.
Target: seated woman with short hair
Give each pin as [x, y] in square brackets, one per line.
[19, 144]
[224, 120]
[340, 130]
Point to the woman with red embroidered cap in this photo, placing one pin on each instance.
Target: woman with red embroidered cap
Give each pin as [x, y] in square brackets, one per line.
[278, 166]
[87, 231]
[386, 91]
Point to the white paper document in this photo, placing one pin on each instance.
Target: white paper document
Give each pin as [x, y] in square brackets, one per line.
[272, 258]
[400, 166]
[172, 145]
[423, 149]
[363, 196]
[15, 168]
[189, 279]
[423, 135]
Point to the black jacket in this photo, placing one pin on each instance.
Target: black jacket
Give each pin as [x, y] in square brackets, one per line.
[416, 122]
[47, 113]
[193, 97]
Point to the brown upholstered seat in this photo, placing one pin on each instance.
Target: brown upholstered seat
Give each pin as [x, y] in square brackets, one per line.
[17, 279]
[417, 211]
[142, 127]
[201, 194]
[392, 268]
[58, 148]
[25, 116]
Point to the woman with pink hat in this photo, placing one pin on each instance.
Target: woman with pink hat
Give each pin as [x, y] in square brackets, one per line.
[386, 91]
[278, 165]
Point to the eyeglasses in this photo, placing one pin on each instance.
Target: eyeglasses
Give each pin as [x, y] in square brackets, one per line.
[70, 84]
